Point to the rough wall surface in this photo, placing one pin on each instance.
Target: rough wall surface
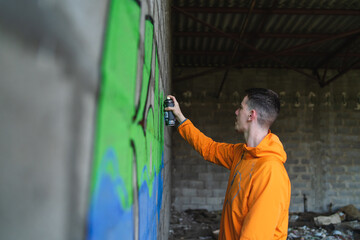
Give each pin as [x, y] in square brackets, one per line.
[49, 65]
[67, 125]
[319, 128]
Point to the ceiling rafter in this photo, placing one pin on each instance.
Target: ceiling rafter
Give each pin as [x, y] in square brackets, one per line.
[242, 31]
[222, 33]
[256, 35]
[351, 66]
[336, 53]
[299, 36]
[265, 55]
[279, 11]
[269, 55]
[347, 43]
[288, 54]
[263, 24]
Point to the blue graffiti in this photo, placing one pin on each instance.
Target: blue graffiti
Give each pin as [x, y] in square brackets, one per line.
[108, 219]
[149, 207]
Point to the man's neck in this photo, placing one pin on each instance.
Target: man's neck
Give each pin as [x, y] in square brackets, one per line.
[254, 136]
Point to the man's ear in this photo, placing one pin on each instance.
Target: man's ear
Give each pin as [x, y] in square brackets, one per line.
[253, 115]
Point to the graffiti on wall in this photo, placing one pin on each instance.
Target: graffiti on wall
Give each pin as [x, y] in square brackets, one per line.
[127, 182]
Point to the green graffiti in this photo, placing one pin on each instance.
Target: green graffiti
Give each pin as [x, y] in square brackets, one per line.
[129, 120]
[150, 115]
[116, 102]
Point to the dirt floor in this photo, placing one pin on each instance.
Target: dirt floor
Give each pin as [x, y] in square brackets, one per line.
[200, 224]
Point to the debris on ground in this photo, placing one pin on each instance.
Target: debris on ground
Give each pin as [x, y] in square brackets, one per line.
[194, 224]
[202, 224]
[307, 233]
[332, 219]
[351, 212]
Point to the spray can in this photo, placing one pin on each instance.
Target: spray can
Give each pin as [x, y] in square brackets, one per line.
[169, 116]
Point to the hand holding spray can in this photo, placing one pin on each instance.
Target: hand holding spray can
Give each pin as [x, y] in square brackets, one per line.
[169, 116]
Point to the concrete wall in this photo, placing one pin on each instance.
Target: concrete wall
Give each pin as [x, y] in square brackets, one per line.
[130, 179]
[319, 128]
[51, 104]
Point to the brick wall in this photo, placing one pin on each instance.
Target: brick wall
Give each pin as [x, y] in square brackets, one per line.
[319, 127]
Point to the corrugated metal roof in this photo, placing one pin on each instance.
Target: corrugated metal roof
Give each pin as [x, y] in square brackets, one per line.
[206, 33]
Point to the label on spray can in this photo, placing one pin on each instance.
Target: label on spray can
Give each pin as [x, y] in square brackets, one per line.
[168, 115]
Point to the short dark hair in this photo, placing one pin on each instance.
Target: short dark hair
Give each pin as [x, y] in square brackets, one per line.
[266, 102]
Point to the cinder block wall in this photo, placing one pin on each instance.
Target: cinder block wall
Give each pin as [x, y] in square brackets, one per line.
[319, 127]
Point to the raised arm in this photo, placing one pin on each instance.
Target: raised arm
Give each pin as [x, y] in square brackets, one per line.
[218, 153]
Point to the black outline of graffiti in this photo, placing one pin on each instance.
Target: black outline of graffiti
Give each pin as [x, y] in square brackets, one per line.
[150, 96]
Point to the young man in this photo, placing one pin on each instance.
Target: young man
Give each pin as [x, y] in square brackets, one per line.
[257, 198]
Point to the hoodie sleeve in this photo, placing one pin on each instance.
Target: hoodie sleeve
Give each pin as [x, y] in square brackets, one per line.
[219, 153]
[268, 202]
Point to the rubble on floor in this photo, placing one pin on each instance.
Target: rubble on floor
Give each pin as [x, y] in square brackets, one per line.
[307, 233]
[201, 224]
[194, 224]
[341, 225]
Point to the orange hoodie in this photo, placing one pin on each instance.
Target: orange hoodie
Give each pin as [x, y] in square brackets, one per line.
[257, 199]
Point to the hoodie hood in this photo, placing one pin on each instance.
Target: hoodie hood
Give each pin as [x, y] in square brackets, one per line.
[269, 147]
